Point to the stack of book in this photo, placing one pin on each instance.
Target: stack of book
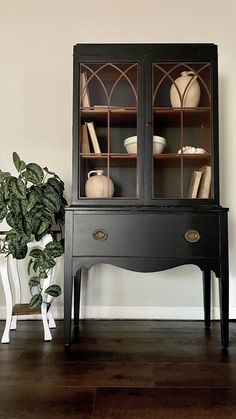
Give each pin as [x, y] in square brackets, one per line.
[88, 132]
[85, 99]
[200, 185]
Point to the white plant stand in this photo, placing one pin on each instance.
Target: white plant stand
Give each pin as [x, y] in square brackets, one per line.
[9, 269]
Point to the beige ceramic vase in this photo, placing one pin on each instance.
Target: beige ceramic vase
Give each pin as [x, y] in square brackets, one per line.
[185, 89]
[98, 185]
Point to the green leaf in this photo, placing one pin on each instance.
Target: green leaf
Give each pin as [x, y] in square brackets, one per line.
[17, 187]
[29, 266]
[55, 249]
[51, 199]
[47, 261]
[51, 173]
[22, 165]
[47, 213]
[25, 175]
[4, 176]
[34, 281]
[14, 204]
[56, 184]
[36, 253]
[36, 265]
[35, 173]
[53, 290]
[36, 301]
[16, 161]
[42, 274]
[43, 227]
[32, 200]
[3, 212]
[10, 219]
[17, 250]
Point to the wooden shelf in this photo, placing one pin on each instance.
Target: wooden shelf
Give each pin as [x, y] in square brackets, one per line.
[156, 156]
[111, 155]
[124, 116]
[192, 156]
[191, 116]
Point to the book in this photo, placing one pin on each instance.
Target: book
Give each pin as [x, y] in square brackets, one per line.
[93, 136]
[205, 185]
[84, 93]
[85, 147]
[194, 184]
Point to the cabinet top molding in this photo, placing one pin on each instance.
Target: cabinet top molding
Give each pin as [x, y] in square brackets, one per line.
[177, 50]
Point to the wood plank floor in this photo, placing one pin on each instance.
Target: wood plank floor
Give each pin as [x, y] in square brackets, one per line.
[119, 370]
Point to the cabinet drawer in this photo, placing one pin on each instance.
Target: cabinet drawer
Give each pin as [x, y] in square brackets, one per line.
[146, 235]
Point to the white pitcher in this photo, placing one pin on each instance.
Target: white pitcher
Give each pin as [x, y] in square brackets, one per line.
[98, 186]
[188, 91]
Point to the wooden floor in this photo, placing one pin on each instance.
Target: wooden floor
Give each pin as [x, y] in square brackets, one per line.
[119, 370]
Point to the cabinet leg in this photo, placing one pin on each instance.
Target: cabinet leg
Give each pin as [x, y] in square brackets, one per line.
[77, 287]
[206, 279]
[224, 309]
[224, 281]
[67, 309]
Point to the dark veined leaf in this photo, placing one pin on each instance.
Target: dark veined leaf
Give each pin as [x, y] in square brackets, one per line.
[29, 266]
[32, 200]
[22, 165]
[42, 273]
[34, 281]
[26, 224]
[50, 173]
[54, 290]
[16, 160]
[43, 227]
[35, 225]
[23, 206]
[2, 195]
[55, 249]
[47, 213]
[36, 264]
[14, 204]
[4, 176]
[56, 184]
[3, 212]
[47, 261]
[17, 250]
[25, 175]
[37, 211]
[51, 199]
[10, 219]
[17, 187]
[36, 253]
[38, 190]
[38, 237]
[34, 173]
[36, 301]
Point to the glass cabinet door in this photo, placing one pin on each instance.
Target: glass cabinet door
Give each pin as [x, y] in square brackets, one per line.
[182, 137]
[108, 138]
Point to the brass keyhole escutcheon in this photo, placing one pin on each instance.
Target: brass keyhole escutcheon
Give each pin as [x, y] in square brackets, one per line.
[192, 236]
[100, 234]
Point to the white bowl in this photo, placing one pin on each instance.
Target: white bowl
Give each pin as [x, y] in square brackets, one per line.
[159, 143]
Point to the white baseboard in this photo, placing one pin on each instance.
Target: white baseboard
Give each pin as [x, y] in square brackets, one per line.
[133, 312]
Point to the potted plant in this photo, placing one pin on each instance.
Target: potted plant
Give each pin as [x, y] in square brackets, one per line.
[32, 202]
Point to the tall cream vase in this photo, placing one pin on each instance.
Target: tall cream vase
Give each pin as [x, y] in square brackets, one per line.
[185, 91]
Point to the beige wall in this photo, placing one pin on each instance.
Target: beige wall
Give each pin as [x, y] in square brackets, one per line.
[36, 41]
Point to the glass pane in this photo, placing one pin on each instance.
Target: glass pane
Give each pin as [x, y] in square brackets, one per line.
[182, 130]
[108, 118]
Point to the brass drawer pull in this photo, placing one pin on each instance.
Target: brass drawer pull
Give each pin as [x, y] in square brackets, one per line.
[192, 236]
[100, 235]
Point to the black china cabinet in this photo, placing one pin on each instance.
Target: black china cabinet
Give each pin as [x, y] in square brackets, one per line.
[145, 166]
